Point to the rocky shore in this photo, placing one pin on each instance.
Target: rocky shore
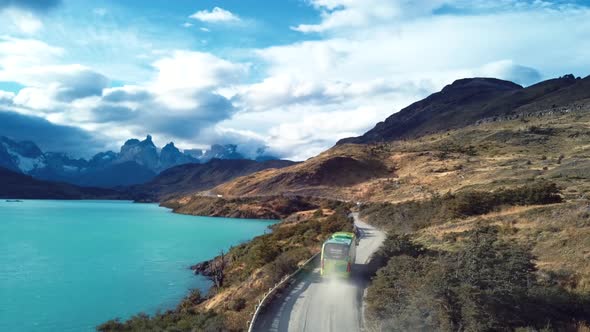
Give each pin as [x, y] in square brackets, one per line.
[267, 207]
[203, 268]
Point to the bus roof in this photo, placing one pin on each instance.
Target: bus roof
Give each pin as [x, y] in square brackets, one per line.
[340, 240]
[347, 235]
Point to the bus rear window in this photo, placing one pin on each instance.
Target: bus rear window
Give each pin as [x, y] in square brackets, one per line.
[335, 251]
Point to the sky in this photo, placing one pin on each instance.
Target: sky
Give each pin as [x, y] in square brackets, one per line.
[293, 76]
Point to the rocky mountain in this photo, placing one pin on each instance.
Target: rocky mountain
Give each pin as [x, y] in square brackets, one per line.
[230, 151]
[134, 164]
[466, 101]
[137, 162]
[515, 167]
[19, 186]
[190, 178]
[412, 151]
[143, 153]
[170, 156]
[20, 156]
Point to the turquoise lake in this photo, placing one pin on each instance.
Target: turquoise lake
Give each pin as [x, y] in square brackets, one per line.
[71, 265]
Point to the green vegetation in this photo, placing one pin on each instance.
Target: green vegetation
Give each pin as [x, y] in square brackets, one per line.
[183, 318]
[266, 207]
[450, 265]
[487, 285]
[246, 271]
[413, 215]
[287, 245]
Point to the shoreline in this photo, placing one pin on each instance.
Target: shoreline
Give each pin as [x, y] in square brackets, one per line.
[240, 275]
[140, 238]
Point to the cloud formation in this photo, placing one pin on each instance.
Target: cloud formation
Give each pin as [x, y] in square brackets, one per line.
[34, 5]
[216, 15]
[345, 14]
[374, 60]
[49, 136]
[24, 21]
[177, 104]
[510, 71]
[358, 63]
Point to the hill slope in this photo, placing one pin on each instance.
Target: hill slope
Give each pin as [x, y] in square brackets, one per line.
[16, 185]
[340, 167]
[190, 178]
[468, 100]
[502, 185]
[491, 117]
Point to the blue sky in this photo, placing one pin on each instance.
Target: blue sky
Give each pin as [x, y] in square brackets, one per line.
[292, 75]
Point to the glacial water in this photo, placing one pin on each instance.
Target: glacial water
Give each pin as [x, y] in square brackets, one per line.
[71, 265]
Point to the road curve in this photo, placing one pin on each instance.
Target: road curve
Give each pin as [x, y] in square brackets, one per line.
[313, 304]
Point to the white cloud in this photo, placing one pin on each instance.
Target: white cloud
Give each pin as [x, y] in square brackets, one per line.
[24, 21]
[39, 98]
[100, 11]
[316, 92]
[204, 29]
[191, 69]
[341, 14]
[178, 103]
[51, 88]
[216, 15]
[184, 72]
[18, 53]
[6, 97]
[285, 90]
[508, 70]
[370, 59]
[48, 84]
[187, 24]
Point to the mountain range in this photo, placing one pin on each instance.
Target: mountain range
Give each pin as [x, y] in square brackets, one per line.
[136, 162]
[429, 146]
[190, 178]
[467, 101]
[360, 167]
[21, 186]
[482, 156]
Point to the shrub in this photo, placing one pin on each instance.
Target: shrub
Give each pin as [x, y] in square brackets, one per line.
[286, 263]
[276, 254]
[413, 215]
[190, 301]
[169, 321]
[318, 213]
[238, 304]
[396, 245]
[560, 158]
[487, 285]
[404, 296]
[337, 222]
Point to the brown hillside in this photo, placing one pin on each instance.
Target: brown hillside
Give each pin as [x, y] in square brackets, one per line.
[553, 146]
[502, 131]
[338, 168]
[191, 178]
[468, 100]
[17, 185]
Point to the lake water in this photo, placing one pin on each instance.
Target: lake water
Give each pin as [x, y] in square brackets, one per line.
[71, 265]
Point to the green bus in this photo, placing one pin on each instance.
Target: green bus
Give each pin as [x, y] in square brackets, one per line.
[338, 255]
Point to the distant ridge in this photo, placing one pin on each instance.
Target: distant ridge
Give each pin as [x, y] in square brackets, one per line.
[191, 178]
[349, 169]
[137, 162]
[466, 101]
[16, 185]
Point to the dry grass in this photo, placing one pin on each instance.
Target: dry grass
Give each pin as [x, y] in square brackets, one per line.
[558, 234]
[505, 154]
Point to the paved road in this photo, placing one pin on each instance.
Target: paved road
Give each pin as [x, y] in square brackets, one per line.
[313, 304]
